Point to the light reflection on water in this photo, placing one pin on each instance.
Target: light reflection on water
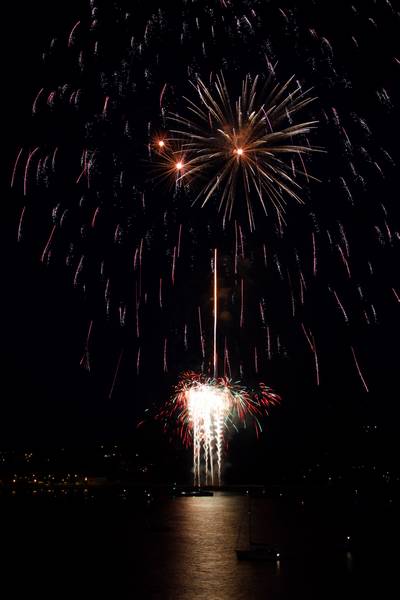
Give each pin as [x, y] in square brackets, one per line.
[189, 553]
[197, 559]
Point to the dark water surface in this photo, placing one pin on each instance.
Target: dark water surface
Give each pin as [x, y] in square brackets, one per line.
[184, 548]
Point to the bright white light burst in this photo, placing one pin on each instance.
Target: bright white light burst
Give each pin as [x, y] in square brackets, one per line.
[208, 407]
[203, 408]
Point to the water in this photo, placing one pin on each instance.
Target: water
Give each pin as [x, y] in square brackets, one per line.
[184, 548]
[196, 558]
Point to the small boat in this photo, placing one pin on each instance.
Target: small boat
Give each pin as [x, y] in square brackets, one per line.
[258, 552]
[196, 493]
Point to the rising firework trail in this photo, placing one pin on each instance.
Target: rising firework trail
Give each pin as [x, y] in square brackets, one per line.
[215, 353]
[206, 405]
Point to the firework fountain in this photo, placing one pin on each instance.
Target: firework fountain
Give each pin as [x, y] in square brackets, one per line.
[204, 408]
[208, 407]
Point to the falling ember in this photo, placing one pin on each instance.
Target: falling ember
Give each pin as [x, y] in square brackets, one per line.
[203, 353]
[85, 360]
[165, 363]
[46, 248]
[359, 369]
[21, 219]
[314, 254]
[179, 165]
[16, 166]
[71, 35]
[105, 106]
[114, 381]
[30, 156]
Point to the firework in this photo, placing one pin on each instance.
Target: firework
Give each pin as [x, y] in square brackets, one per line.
[204, 408]
[146, 123]
[171, 165]
[236, 146]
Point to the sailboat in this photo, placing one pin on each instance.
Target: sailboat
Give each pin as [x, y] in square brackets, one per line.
[255, 550]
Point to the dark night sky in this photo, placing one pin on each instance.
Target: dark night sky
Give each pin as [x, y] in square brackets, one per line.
[43, 386]
[46, 397]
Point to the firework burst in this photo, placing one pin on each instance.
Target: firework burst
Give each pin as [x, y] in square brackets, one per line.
[204, 408]
[235, 147]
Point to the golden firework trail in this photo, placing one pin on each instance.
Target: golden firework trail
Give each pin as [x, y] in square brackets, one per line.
[234, 149]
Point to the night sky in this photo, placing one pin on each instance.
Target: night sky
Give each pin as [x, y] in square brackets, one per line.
[47, 397]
